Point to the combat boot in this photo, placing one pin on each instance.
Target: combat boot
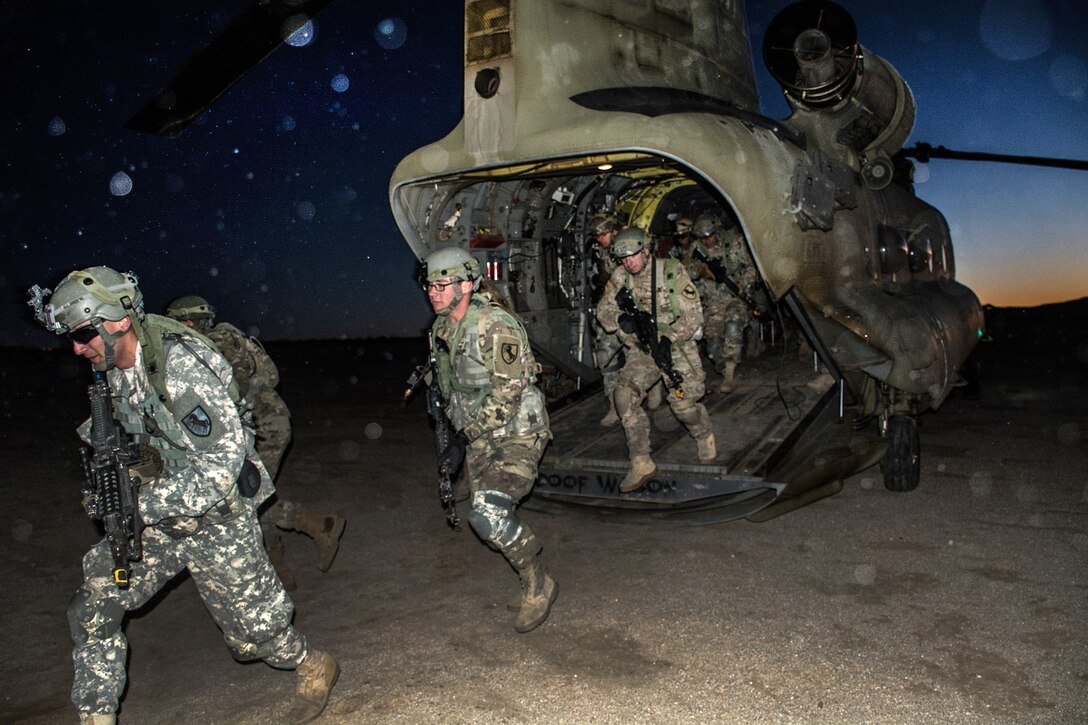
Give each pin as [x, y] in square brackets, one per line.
[611, 417]
[326, 532]
[539, 591]
[642, 470]
[86, 718]
[708, 448]
[274, 544]
[729, 374]
[316, 676]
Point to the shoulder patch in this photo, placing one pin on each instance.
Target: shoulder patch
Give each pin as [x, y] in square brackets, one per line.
[507, 356]
[198, 422]
[689, 292]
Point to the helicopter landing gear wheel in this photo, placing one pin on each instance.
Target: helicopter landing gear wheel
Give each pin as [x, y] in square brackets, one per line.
[902, 464]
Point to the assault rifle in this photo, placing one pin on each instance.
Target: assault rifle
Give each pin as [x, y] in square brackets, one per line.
[110, 491]
[659, 347]
[718, 270]
[451, 451]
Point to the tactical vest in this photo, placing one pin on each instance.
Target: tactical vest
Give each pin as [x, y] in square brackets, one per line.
[155, 422]
[663, 326]
[465, 380]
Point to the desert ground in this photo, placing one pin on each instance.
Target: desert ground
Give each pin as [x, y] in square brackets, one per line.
[964, 601]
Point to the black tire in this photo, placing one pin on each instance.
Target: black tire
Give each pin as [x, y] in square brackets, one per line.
[902, 464]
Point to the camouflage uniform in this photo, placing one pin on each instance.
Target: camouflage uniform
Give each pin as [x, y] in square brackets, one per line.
[725, 337]
[742, 271]
[196, 519]
[486, 372]
[716, 299]
[606, 346]
[257, 378]
[739, 267]
[680, 318]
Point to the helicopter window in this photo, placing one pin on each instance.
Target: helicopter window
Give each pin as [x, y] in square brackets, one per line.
[921, 254]
[487, 30]
[892, 248]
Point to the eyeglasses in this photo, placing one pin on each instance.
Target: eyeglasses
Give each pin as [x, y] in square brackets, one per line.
[436, 286]
[83, 335]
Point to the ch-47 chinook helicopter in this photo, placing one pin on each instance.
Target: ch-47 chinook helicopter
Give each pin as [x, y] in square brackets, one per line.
[648, 108]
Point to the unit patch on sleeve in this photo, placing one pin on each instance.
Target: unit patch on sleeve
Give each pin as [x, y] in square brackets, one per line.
[507, 355]
[200, 421]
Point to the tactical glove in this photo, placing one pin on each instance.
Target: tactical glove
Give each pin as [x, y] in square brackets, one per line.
[627, 323]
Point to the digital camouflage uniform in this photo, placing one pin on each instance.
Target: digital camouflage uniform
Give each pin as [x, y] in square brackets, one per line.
[257, 378]
[196, 519]
[486, 372]
[680, 318]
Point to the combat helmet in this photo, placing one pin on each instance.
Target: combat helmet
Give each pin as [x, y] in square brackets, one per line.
[89, 297]
[603, 223]
[630, 241]
[190, 308]
[94, 294]
[451, 262]
[705, 226]
[683, 226]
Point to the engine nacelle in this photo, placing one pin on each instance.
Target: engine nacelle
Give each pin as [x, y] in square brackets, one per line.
[848, 100]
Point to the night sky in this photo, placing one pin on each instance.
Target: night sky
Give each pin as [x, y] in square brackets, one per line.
[274, 205]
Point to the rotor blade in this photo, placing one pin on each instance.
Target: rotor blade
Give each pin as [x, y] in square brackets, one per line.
[924, 152]
[251, 35]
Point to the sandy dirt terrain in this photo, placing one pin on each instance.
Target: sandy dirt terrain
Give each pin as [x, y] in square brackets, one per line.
[964, 601]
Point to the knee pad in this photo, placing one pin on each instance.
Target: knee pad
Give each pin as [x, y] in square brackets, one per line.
[93, 617]
[492, 518]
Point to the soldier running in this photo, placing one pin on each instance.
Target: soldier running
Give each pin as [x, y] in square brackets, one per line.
[679, 318]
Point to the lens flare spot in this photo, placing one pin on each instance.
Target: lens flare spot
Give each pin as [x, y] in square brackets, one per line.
[120, 184]
[391, 33]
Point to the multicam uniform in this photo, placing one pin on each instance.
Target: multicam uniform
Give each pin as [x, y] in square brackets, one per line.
[679, 317]
[606, 346]
[742, 272]
[257, 377]
[486, 371]
[716, 299]
[196, 519]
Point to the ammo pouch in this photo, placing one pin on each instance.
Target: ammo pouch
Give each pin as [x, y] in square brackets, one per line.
[249, 480]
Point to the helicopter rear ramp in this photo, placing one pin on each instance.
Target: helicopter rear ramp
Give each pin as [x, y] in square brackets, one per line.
[770, 434]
